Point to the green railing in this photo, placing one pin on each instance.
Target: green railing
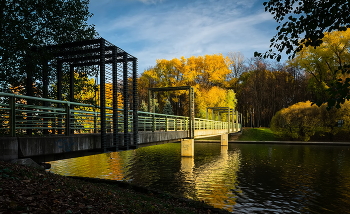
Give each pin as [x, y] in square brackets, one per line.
[21, 115]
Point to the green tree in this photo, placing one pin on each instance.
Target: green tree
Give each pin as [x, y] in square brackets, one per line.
[26, 24]
[303, 24]
[143, 106]
[168, 109]
[321, 63]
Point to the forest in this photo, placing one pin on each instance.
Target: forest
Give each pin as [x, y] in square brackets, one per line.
[256, 87]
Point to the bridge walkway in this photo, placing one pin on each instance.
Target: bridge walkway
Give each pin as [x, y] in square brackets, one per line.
[37, 126]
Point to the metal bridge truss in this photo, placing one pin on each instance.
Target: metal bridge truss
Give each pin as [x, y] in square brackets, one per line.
[114, 99]
[233, 117]
[191, 104]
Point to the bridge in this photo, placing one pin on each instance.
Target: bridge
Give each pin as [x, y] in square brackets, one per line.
[51, 117]
[40, 129]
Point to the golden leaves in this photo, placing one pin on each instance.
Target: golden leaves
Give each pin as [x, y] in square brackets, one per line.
[206, 74]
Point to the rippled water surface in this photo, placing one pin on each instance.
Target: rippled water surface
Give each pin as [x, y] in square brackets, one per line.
[241, 178]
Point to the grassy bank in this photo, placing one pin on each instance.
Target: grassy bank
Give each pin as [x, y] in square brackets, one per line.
[257, 134]
[29, 190]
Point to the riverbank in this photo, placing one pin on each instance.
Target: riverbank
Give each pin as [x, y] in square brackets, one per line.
[26, 189]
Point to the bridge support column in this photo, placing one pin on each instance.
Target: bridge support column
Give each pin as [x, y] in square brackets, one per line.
[187, 147]
[224, 140]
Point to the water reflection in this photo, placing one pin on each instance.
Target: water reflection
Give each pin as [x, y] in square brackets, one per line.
[239, 178]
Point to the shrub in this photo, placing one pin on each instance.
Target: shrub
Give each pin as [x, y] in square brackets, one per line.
[303, 120]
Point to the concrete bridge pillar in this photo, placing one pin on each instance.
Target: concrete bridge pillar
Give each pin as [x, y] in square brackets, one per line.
[187, 147]
[224, 140]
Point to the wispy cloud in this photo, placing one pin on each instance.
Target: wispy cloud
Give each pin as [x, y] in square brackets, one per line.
[151, 1]
[186, 28]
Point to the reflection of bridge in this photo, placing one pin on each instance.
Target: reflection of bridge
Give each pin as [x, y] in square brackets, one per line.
[60, 126]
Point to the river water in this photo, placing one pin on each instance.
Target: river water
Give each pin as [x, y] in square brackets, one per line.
[241, 178]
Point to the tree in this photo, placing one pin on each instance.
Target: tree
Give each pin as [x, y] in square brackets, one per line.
[302, 121]
[303, 24]
[26, 24]
[323, 62]
[236, 64]
[263, 90]
[143, 106]
[201, 72]
[168, 109]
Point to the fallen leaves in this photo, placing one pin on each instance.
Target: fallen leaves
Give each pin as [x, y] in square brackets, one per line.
[28, 190]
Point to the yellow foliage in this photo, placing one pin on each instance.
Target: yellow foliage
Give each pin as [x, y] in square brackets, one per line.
[323, 62]
[206, 74]
[303, 120]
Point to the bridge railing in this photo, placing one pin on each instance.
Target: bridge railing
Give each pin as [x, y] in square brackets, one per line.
[162, 122]
[21, 115]
[33, 115]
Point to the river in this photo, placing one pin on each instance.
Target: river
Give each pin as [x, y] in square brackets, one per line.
[241, 178]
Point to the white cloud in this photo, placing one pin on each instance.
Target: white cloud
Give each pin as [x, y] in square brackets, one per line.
[179, 29]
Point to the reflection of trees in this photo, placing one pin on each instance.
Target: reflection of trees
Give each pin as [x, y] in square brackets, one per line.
[106, 165]
[299, 178]
[156, 166]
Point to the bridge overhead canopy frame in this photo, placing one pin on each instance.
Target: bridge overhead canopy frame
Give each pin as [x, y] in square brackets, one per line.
[191, 103]
[226, 110]
[114, 69]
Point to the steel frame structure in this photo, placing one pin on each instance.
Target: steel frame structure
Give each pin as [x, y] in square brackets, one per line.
[112, 66]
[225, 110]
[191, 103]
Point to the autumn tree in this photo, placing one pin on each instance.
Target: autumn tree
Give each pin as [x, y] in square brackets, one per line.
[303, 23]
[26, 24]
[322, 62]
[204, 73]
[302, 121]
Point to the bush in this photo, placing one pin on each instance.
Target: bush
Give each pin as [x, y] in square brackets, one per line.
[302, 121]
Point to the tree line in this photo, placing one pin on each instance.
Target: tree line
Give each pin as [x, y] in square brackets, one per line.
[259, 87]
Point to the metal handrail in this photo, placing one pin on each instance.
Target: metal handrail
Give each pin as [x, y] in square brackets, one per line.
[64, 117]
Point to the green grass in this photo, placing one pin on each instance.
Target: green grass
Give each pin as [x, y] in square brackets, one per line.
[257, 134]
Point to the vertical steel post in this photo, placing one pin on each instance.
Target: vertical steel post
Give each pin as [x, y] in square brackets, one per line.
[175, 124]
[115, 98]
[59, 94]
[59, 80]
[149, 101]
[233, 120]
[153, 109]
[240, 128]
[12, 116]
[166, 123]
[103, 95]
[45, 95]
[71, 83]
[126, 100]
[191, 112]
[71, 92]
[237, 122]
[135, 103]
[95, 122]
[228, 120]
[68, 122]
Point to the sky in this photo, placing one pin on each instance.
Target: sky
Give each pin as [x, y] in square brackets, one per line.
[167, 29]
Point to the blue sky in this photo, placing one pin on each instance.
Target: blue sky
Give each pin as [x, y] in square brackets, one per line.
[166, 29]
